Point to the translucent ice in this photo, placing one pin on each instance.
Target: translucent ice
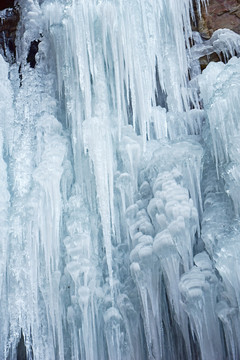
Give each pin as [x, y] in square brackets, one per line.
[119, 185]
[219, 96]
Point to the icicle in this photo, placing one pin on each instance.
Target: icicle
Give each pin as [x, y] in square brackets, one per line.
[99, 144]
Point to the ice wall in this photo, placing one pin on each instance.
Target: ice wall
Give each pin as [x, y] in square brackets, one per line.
[119, 176]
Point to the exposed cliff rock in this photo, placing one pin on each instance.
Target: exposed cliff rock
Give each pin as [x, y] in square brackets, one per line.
[9, 18]
[219, 14]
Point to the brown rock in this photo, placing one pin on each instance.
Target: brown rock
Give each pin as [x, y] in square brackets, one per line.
[8, 27]
[203, 28]
[205, 60]
[220, 14]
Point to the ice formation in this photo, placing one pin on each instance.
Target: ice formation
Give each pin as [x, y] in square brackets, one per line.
[120, 179]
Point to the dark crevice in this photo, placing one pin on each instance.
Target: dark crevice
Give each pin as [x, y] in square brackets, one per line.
[4, 4]
[21, 349]
[20, 74]
[31, 58]
[160, 94]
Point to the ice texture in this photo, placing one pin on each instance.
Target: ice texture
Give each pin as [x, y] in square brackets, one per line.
[119, 178]
[224, 42]
[220, 226]
[222, 94]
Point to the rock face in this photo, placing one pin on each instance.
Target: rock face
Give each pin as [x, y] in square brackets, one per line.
[219, 14]
[8, 25]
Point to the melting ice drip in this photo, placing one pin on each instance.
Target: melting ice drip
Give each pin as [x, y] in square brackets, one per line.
[119, 205]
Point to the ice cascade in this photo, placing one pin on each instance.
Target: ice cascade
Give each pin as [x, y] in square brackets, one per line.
[120, 183]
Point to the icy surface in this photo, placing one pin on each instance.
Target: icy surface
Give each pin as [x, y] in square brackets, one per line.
[224, 42]
[119, 177]
[221, 94]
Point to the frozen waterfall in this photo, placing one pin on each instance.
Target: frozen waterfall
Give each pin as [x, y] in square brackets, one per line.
[120, 185]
